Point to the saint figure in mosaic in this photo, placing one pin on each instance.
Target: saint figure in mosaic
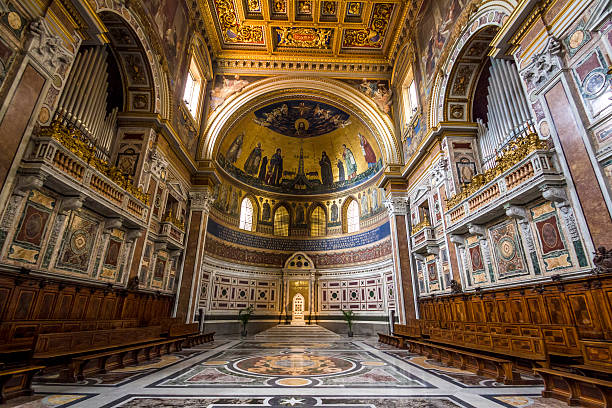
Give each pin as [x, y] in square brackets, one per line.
[251, 166]
[235, 149]
[327, 177]
[351, 164]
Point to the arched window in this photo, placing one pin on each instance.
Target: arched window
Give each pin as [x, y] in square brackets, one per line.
[352, 217]
[318, 222]
[281, 222]
[246, 215]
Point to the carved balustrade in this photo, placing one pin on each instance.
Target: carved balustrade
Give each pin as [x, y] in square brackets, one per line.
[172, 234]
[518, 177]
[70, 166]
[423, 237]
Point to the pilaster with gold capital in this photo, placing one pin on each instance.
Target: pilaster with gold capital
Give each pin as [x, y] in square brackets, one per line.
[189, 285]
[397, 204]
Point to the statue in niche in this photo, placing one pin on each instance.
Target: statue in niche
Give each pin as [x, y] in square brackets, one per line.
[374, 199]
[327, 177]
[334, 212]
[266, 211]
[235, 149]
[340, 170]
[351, 164]
[368, 152]
[251, 166]
[262, 169]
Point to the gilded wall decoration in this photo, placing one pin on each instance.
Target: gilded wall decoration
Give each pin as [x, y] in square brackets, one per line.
[303, 37]
[231, 29]
[508, 250]
[374, 35]
[553, 248]
[77, 245]
[112, 257]
[300, 147]
[28, 240]
[329, 8]
[477, 263]
[432, 275]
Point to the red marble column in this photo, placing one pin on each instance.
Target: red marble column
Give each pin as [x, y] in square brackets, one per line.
[21, 109]
[397, 207]
[188, 291]
[580, 166]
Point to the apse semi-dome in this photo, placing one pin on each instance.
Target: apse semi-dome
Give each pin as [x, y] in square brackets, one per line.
[300, 146]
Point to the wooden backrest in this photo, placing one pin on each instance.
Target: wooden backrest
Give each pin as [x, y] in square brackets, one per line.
[182, 329]
[76, 342]
[21, 333]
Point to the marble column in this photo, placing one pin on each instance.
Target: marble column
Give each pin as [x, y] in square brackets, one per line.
[191, 275]
[397, 206]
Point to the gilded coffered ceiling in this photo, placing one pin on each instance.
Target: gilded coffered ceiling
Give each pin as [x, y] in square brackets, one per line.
[304, 30]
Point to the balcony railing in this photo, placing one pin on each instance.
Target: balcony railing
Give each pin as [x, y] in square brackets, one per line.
[422, 236]
[64, 155]
[525, 166]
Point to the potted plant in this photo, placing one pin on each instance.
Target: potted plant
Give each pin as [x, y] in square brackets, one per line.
[244, 315]
[349, 316]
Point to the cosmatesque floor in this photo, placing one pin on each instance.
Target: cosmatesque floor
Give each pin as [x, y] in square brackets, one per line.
[288, 371]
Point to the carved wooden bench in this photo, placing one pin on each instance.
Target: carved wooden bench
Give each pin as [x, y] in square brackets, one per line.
[576, 389]
[60, 349]
[15, 382]
[392, 340]
[102, 362]
[500, 369]
[199, 338]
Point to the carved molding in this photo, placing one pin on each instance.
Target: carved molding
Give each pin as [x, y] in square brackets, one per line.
[477, 230]
[30, 182]
[133, 234]
[397, 206]
[554, 194]
[457, 239]
[544, 65]
[516, 212]
[201, 200]
[46, 47]
[71, 204]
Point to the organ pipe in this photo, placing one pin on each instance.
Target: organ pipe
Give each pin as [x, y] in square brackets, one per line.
[83, 104]
[508, 111]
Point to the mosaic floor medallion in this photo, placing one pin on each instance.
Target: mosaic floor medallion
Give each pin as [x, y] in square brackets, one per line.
[295, 365]
[277, 373]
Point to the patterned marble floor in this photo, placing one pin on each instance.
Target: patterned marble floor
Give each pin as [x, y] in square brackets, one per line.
[343, 373]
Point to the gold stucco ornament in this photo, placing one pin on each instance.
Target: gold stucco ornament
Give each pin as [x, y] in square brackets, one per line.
[516, 151]
[74, 140]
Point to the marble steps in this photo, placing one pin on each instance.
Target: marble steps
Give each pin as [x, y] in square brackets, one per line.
[298, 333]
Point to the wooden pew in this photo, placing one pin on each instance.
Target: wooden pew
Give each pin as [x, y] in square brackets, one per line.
[502, 370]
[576, 389]
[390, 339]
[119, 358]
[81, 353]
[191, 333]
[20, 334]
[16, 382]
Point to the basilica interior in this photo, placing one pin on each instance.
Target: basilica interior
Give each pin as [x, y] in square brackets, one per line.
[299, 203]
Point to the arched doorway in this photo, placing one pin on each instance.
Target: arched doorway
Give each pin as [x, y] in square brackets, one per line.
[298, 290]
[298, 310]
